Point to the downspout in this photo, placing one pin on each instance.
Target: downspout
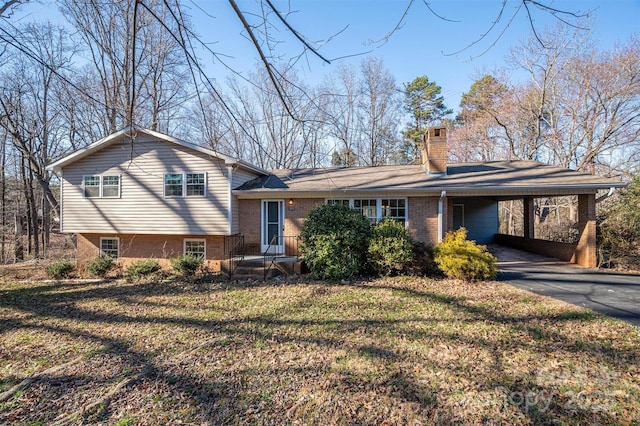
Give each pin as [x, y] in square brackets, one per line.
[230, 203]
[609, 194]
[443, 197]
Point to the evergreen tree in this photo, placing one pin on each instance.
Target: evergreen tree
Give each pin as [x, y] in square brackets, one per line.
[425, 103]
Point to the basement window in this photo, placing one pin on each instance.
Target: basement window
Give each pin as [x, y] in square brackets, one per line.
[110, 247]
[195, 247]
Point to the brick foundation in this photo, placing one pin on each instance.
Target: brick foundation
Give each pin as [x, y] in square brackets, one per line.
[137, 247]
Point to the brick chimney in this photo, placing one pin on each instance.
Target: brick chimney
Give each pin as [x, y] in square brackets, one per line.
[434, 151]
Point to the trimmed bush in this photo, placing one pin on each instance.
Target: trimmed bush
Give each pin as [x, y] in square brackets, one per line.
[334, 242]
[142, 268]
[464, 259]
[187, 265]
[61, 269]
[101, 265]
[390, 248]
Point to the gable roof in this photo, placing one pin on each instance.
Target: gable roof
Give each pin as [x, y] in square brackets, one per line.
[497, 178]
[129, 131]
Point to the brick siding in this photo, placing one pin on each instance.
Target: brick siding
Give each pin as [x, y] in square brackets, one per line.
[137, 247]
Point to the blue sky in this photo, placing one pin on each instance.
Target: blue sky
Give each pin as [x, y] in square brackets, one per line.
[423, 45]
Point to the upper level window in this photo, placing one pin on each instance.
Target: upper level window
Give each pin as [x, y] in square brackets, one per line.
[184, 184]
[173, 185]
[195, 184]
[101, 186]
[110, 186]
[91, 186]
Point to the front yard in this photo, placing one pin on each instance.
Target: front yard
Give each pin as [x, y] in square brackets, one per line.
[389, 351]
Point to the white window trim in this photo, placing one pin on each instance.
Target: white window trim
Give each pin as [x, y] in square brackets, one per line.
[84, 186]
[199, 240]
[101, 185]
[110, 238]
[379, 216]
[184, 185]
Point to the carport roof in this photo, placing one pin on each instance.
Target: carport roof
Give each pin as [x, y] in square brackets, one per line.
[497, 178]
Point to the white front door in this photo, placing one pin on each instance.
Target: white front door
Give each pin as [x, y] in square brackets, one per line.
[272, 226]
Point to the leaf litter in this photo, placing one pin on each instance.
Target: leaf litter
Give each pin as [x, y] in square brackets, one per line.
[387, 351]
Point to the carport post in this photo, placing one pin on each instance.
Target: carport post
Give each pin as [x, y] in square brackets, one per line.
[585, 253]
[528, 214]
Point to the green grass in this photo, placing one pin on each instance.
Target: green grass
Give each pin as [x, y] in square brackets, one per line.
[401, 351]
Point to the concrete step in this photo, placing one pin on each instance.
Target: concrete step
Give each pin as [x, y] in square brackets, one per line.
[254, 269]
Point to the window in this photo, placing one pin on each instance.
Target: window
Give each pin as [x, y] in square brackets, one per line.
[110, 186]
[343, 202]
[173, 185]
[377, 209]
[110, 247]
[92, 186]
[195, 184]
[101, 186]
[184, 184]
[367, 208]
[195, 247]
[395, 208]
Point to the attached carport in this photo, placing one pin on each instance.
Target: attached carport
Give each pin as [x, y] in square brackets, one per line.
[473, 192]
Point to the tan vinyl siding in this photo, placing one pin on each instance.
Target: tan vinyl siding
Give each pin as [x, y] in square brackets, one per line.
[142, 207]
[239, 177]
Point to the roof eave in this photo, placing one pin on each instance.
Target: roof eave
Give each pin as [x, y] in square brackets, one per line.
[431, 191]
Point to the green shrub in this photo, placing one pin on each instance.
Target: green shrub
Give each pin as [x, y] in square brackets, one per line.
[101, 265]
[61, 269]
[142, 268]
[619, 229]
[187, 265]
[464, 259]
[390, 247]
[334, 241]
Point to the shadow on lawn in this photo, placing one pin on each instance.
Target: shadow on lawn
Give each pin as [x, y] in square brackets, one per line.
[219, 400]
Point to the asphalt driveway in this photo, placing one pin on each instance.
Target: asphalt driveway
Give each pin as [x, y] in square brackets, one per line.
[614, 294]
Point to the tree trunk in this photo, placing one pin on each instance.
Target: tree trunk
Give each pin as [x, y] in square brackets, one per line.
[18, 248]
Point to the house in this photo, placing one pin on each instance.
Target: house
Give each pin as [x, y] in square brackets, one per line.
[139, 194]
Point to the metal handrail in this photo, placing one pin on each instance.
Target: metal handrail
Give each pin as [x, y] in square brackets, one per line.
[289, 249]
[234, 251]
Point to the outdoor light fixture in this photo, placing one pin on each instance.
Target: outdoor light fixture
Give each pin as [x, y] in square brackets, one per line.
[290, 201]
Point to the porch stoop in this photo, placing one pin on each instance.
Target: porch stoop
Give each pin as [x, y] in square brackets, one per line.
[262, 268]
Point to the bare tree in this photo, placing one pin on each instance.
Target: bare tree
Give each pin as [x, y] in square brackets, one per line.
[378, 112]
[269, 136]
[32, 120]
[340, 92]
[138, 74]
